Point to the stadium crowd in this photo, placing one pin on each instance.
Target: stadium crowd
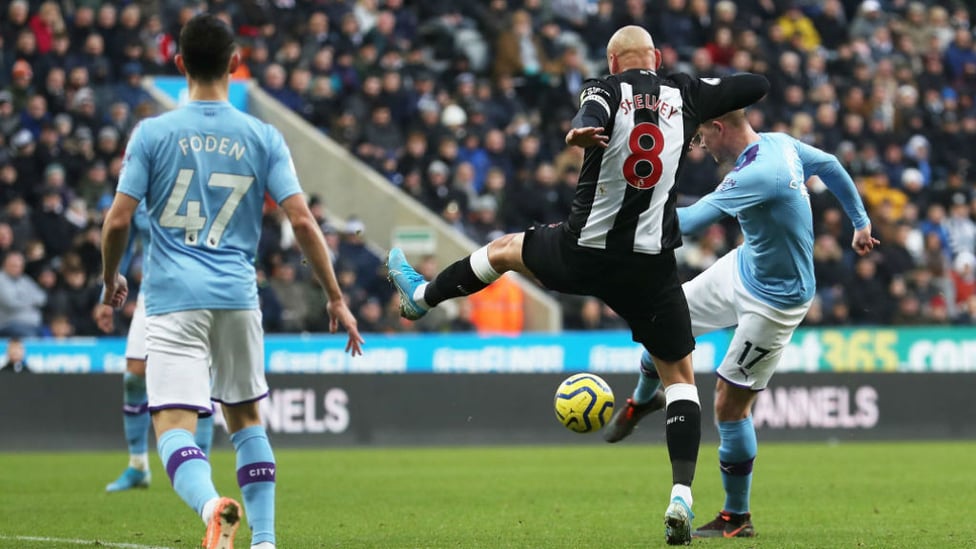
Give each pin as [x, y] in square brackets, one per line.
[464, 104]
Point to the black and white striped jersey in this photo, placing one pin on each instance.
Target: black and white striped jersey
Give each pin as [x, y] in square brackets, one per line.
[625, 199]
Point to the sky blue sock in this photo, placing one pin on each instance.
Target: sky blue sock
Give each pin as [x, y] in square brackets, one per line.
[736, 453]
[204, 435]
[187, 467]
[135, 413]
[648, 381]
[256, 477]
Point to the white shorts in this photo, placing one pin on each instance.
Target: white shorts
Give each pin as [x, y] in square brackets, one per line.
[135, 341]
[203, 355]
[718, 299]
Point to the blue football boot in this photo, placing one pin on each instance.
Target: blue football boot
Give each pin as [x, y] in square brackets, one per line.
[406, 280]
[130, 478]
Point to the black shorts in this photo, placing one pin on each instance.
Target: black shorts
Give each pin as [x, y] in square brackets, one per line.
[643, 289]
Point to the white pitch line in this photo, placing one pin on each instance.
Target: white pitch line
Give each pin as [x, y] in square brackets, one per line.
[93, 542]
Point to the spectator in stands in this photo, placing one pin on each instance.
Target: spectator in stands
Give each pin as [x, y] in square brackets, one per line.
[867, 304]
[960, 228]
[130, 90]
[519, 53]
[371, 319]
[74, 299]
[292, 295]
[439, 192]
[9, 118]
[15, 361]
[498, 309]
[963, 278]
[50, 223]
[21, 299]
[274, 83]
[484, 225]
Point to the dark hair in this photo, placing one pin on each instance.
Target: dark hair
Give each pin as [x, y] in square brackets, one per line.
[206, 43]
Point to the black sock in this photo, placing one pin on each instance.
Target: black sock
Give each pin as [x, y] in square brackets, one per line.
[457, 280]
[683, 430]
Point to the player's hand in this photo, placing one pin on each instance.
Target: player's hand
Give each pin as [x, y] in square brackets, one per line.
[587, 137]
[105, 318]
[115, 292]
[339, 313]
[863, 241]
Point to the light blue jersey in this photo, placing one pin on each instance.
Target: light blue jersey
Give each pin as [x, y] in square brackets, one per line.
[203, 170]
[766, 192]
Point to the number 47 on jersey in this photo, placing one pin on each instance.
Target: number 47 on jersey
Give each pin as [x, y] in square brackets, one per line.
[192, 222]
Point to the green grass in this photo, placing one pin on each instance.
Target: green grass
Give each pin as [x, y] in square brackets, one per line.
[805, 495]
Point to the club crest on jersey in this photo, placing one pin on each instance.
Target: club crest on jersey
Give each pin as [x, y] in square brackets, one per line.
[726, 184]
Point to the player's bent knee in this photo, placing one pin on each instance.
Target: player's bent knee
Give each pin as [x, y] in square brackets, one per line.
[675, 371]
[505, 253]
[733, 403]
[241, 416]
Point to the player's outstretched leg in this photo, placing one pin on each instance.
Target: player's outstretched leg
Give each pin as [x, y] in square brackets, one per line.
[190, 473]
[736, 455]
[135, 420]
[463, 277]
[204, 435]
[683, 428]
[409, 283]
[647, 398]
[256, 476]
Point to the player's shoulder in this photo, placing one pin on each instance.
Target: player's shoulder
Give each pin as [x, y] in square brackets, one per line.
[606, 82]
[686, 82]
[679, 78]
[147, 126]
[784, 139]
[267, 132]
[751, 166]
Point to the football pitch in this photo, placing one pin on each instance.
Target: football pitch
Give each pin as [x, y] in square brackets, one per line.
[892, 495]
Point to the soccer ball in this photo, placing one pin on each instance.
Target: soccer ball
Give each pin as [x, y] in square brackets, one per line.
[584, 403]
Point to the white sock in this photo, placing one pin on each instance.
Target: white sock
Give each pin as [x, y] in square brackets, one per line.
[482, 267]
[208, 509]
[418, 296]
[682, 491]
[139, 462]
[263, 545]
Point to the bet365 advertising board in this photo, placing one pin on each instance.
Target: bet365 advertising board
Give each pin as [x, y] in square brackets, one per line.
[941, 349]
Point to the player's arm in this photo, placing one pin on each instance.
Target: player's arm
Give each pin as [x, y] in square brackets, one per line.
[133, 182]
[103, 314]
[695, 218]
[741, 188]
[596, 101]
[839, 183]
[115, 238]
[312, 243]
[717, 96]
[284, 189]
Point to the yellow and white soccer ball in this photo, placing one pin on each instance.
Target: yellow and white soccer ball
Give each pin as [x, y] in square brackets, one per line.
[584, 403]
